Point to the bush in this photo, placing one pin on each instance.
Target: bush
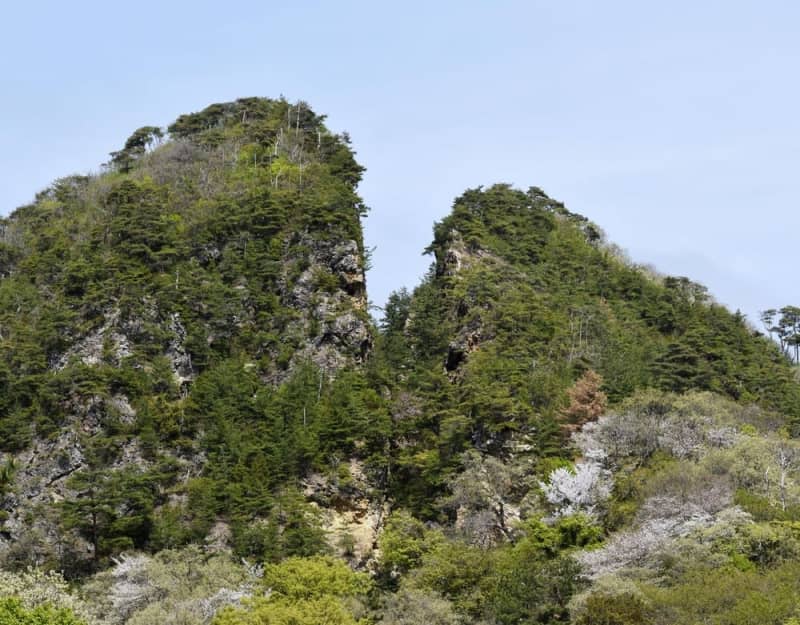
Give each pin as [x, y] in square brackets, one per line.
[34, 588]
[303, 591]
[418, 607]
[12, 612]
[614, 609]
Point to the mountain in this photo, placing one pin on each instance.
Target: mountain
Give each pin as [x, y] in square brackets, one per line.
[523, 299]
[200, 422]
[147, 314]
[518, 274]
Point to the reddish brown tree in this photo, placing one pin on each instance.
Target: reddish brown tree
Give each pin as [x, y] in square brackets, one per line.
[586, 402]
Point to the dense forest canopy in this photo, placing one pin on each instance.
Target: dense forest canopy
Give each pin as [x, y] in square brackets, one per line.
[200, 421]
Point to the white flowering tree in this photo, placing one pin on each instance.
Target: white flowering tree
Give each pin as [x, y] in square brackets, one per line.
[581, 490]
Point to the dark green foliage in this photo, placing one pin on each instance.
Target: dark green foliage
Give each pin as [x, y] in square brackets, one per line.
[291, 529]
[784, 325]
[139, 230]
[258, 439]
[587, 304]
[535, 579]
[135, 147]
[113, 509]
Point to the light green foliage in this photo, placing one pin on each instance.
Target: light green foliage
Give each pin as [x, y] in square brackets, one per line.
[327, 609]
[613, 609]
[458, 572]
[47, 590]
[697, 454]
[303, 591]
[12, 612]
[610, 601]
[403, 542]
[305, 578]
[698, 447]
[766, 470]
[728, 596]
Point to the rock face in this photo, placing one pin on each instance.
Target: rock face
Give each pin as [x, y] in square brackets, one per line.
[458, 256]
[109, 340]
[452, 262]
[331, 301]
[353, 516]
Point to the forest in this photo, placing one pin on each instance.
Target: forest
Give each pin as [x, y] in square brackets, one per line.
[201, 422]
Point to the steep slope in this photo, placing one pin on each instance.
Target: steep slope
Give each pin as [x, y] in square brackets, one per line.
[523, 299]
[146, 311]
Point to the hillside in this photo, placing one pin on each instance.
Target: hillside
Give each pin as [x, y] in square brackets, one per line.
[523, 299]
[200, 423]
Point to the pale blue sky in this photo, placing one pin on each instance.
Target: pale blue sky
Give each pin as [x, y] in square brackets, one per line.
[675, 125]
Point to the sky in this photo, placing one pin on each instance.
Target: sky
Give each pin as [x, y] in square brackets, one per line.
[675, 126]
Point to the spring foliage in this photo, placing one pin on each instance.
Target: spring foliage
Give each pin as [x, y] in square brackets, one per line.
[539, 432]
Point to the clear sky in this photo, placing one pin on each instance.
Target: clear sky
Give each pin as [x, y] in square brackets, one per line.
[673, 125]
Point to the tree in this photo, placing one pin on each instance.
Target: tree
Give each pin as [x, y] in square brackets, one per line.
[7, 471]
[480, 493]
[402, 544]
[534, 579]
[410, 606]
[303, 591]
[112, 509]
[614, 609]
[581, 490]
[784, 325]
[91, 512]
[135, 147]
[586, 401]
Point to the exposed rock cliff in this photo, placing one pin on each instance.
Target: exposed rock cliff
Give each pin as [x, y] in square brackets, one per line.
[236, 239]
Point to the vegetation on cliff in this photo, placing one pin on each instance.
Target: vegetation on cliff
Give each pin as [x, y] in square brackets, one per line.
[200, 423]
[171, 327]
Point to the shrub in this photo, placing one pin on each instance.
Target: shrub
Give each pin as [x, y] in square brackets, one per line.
[13, 612]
